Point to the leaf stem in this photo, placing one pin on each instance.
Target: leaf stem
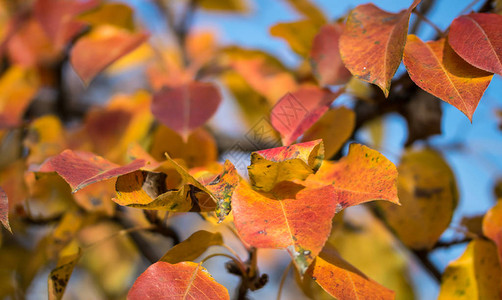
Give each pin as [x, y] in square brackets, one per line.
[468, 7]
[116, 234]
[236, 261]
[283, 280]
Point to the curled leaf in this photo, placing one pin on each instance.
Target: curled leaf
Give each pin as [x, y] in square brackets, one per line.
[185, 280]
[272, 166]
[223, 188]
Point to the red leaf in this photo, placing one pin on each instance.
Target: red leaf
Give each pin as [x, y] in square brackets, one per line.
[80, 169]
[57, 18]
[185, 280]
[373, 41]
[361, 176]
[342, 280]
[438, 70]
[477, 38]
[104, 45]
[4, 210]
[293, 217]
[296, 112]
[325, 56]
[186, 107]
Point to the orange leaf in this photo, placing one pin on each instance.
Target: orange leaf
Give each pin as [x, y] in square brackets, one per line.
[271, 166]
[325, 56]
[79, 168]
[57, 18]
[438, 70]
[198, 150]
[104, 45]
[361, 176]
[185, 280]
[295, 112]
[223, 188]
[292, 217]
[476, 38]
[342, 280]
[373, 41]
[4, 210]
[492, 226]
[186, 107]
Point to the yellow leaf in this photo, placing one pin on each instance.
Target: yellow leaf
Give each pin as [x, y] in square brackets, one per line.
[428, 195]
[475, 275]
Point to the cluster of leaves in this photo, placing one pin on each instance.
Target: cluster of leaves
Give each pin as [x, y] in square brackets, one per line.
[136, 163]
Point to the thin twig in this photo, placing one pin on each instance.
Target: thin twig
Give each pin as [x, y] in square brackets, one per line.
[446, 244]
[468, 7]
[426, 20]
[283, 279]
[116, 234]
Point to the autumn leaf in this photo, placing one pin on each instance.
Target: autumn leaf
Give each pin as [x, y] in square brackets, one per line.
[91, 54]
[372, 43]
[476, 38]
[18, 86]
[235, 6]
[492, 226]
[296, 112]
[58, 18]
[292, 217]
[4, 210]
[144, 189]
[343, 281]
[193, 247]
[176, 281]
[438, 70]
[223, 188]
[272, 166]
[298, 35]
[475, 275]
[309, 10]
[187, 107]
[198, 150]
[59, 277]
[325, 59]
[79, 168]
[385, 262]
[116, 14]
[45, 137]
[361, 176]
[428, 196]
[334, 128]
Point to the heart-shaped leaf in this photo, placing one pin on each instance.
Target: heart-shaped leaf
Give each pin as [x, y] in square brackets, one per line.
[438, 70]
